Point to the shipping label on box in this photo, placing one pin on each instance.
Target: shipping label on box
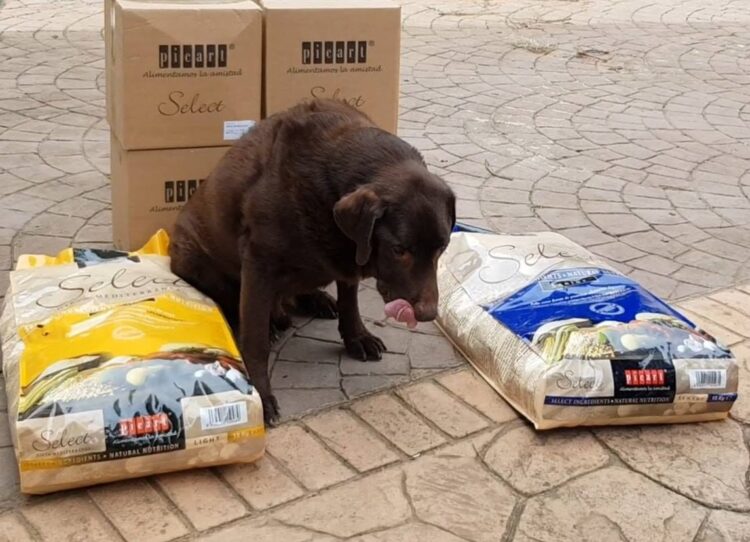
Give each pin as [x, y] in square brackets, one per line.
[347, 50]
[149, 188]
[179, 74]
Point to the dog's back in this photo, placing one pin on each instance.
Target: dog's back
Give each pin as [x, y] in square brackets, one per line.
[265, 167]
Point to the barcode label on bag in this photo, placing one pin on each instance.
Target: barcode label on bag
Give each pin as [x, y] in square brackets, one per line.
[223, 415]
[704, 379]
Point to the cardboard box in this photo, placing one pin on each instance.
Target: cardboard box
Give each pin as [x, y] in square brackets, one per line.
[108, 30]
[346, 49]
[150, 187]
[182, 74]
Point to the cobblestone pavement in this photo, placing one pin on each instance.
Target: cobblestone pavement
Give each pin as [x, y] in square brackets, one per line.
[623, 124]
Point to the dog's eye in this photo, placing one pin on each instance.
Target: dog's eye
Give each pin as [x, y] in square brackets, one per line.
[398, 250]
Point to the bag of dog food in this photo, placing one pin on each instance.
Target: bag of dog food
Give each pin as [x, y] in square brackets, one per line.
[568, 341]
[115, 368]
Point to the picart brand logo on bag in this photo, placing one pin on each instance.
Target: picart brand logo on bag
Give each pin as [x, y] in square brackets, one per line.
[180, 191]
[188, 56]
[645, 377]
[334, 52]
[145, 425]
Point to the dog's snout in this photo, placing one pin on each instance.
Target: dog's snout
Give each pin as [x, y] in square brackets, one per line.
[426, 301]
[425, 311]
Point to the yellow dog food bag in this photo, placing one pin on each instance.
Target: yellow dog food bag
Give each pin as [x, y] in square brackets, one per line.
[115, 368]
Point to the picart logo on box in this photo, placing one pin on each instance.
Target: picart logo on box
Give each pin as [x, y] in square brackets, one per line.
[180, 191]
[211, 55]
[335, 52]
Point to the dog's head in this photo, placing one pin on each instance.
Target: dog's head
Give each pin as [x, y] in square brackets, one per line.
[401, 223]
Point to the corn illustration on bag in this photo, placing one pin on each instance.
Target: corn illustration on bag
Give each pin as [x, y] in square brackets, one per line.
[115, 368]
[568, 340]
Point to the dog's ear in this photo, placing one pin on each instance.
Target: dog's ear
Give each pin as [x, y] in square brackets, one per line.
[355, 215]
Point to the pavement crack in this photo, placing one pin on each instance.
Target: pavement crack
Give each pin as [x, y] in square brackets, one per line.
[407, 496]
[515, 518]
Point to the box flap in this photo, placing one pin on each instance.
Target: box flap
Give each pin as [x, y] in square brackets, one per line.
[329, 4]
[186, 5]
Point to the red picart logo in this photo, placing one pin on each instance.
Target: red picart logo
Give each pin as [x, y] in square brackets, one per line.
[145, 425]
[645, 377]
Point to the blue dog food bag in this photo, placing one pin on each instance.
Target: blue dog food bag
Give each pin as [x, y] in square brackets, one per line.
[567, 340]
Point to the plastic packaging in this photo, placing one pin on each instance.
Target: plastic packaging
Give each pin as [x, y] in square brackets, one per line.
[116, 368]
[567, 340]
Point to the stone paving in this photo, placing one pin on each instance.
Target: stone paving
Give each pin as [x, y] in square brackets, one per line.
[623, 124]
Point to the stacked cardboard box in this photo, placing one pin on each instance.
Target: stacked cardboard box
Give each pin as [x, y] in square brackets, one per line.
[183, 82]
[344, 49]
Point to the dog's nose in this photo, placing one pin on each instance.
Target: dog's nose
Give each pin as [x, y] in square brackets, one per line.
[425, 311]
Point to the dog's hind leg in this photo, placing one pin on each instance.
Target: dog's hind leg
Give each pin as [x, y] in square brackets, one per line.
[280, 320]
[318, 304]
[199, 273]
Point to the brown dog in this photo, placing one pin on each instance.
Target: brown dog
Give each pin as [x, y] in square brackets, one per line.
[313, 195]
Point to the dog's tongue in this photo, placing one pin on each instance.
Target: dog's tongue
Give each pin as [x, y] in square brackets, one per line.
[401, 311]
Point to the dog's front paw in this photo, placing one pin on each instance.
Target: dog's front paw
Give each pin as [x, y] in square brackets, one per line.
[271, 412]
[365, 347]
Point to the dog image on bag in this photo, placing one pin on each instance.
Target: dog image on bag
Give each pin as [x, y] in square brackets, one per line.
[314, 195]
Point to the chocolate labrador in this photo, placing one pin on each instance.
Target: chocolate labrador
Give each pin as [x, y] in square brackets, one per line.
[313, 195]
